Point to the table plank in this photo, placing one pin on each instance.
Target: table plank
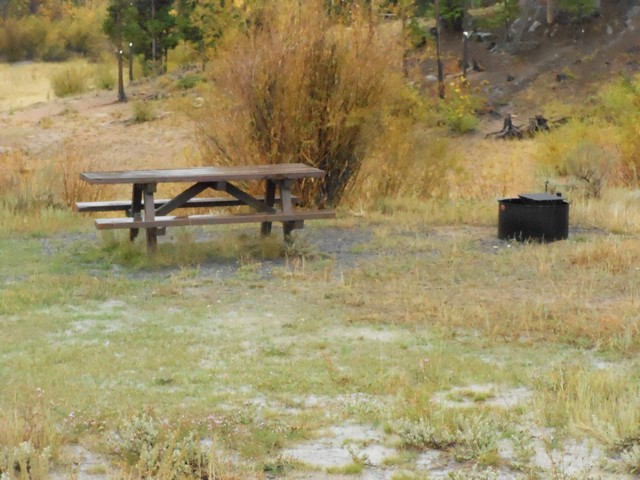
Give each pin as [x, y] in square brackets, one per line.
[193, 220]
[206, 174]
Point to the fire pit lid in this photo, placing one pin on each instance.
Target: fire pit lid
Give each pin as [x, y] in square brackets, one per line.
[542, 197]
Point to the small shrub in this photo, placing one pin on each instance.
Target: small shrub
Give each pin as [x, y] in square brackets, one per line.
[143, 111]
[626, 456]
[630, 459]
[620, 103]
[592, 166]
[190, 81]
[24, 461]
[423, 435]
[104, 77]
[471, 438]
[407, 164]
[153, 449]
[459, 108]
[83, 33]
[70, 81]
[25, 188]
[587, 152]
[27, 38]
[476, 439]
[29, 439]
[579, 8]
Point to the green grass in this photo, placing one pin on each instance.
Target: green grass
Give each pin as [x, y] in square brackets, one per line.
[439, 328]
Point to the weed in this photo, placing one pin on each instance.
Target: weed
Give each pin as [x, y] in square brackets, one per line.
[25, 187]
[350, 469]
[523, 449]
[156, 449]
[424, 435]
[409, 476]
[142, 111]
[474, 473]
[29, 439]
[190, 81]
[70, 81]
[569, 394]
[459, 109]
[71, 163]
[104, 77]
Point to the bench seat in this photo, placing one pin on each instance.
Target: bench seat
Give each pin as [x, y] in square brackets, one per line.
[124, 205]
[190, 220]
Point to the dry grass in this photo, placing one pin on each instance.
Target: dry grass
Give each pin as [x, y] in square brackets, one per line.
[23, 85]
[617, 211]
[568, 292]
[39, 195]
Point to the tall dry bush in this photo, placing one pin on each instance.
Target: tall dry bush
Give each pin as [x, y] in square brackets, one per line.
[621, 104]
[28, 185]
[70, 163]
[299, 88]
[586, 153]
[24, 187]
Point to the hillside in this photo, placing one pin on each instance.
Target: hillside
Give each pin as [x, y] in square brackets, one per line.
[552, 71]
[567, 62]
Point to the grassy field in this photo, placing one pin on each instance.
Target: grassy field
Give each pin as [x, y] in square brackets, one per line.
[441, 340]
[401, 341]
[26, 84]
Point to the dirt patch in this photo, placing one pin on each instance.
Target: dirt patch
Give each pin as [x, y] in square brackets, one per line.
[341, 446]
[98, 129]
[83, 464]
[487, 395]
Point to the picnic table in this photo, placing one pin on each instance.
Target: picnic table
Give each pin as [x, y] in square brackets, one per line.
[143, 210]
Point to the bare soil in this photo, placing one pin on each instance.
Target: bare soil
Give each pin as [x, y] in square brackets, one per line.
[101, 130]
[568, 61]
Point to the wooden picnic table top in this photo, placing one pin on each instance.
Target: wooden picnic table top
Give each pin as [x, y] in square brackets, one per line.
[206, 174]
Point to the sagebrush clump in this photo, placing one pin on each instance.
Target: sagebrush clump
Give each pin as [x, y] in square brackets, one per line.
[303, 88]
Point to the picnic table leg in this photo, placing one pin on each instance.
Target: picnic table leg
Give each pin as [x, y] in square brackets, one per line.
[270, 196]
[136, 207]
[149, 215]
[286, 203]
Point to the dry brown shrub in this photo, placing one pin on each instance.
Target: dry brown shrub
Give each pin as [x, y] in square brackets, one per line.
[298, 88]
[23, 183]
[70, 164]
[28, 184]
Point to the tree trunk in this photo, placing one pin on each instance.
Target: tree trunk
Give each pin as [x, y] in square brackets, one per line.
[550, 12]
[438, 59]
[154, 41]
[122, 97]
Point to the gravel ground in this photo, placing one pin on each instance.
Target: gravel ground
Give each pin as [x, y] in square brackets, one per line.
[346, 246]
